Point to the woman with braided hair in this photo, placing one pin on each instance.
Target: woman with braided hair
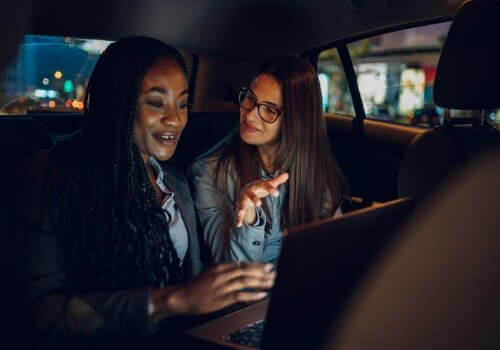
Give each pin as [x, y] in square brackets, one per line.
[110, 236]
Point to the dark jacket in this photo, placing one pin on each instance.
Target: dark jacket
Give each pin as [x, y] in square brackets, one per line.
[59, 314]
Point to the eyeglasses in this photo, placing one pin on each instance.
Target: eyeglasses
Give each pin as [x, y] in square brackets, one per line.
[248, 101]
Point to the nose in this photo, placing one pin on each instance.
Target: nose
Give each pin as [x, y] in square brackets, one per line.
[252, 114]
[171, 116]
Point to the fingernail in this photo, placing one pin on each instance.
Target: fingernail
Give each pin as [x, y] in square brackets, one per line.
[268, 267]
[261, 294]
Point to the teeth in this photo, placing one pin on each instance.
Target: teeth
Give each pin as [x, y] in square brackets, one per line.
[167, 137]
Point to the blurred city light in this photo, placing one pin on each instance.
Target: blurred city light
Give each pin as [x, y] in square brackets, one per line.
[43, 93]
[324, 82]
[40, 93]
[77, 104]
[68, 86]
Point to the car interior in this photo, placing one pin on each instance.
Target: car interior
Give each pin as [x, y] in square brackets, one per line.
[410, 88]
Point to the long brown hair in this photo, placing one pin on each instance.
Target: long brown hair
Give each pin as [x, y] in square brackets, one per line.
[304, 150]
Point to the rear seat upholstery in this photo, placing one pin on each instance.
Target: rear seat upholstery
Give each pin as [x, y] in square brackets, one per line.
[203, 131]
[20, 138]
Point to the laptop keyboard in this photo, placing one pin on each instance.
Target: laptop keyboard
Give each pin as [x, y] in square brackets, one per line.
[250, 336]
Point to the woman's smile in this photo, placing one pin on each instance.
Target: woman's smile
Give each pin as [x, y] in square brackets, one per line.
[167, 138]
[249, 127]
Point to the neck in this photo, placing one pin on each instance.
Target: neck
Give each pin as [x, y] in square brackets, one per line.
[268, 156]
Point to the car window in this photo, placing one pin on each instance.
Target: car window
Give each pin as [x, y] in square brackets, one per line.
[336, 96]
[395, 74]
[49, 74]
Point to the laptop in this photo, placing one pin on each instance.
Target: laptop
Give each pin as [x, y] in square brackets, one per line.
[320, 267]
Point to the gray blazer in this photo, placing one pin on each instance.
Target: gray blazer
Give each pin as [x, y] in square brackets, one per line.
[59, 314]
[217, 216]
[216, 212]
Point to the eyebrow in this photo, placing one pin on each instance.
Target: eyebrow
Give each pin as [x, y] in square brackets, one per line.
[165, 92]
[272, 104]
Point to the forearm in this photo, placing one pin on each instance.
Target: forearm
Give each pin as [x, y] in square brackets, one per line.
[165, 303]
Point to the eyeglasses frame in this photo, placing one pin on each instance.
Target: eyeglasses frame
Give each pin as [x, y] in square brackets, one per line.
[245, 90]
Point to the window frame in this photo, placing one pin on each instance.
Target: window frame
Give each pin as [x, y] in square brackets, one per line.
[341, 46]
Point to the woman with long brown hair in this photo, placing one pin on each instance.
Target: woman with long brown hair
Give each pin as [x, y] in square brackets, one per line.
[277, 173]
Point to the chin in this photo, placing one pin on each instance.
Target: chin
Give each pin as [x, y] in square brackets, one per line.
[164, 156]
[250, 139]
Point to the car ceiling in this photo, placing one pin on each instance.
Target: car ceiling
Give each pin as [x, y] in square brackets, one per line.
[233, 28]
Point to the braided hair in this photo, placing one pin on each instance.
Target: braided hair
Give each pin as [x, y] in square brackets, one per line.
[115, 233]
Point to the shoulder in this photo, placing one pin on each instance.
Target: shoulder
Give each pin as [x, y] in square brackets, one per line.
[174, 177]
[209, 160]
[173, 171]
[205, 164]
[218, 158]
[213, 173]
[212, 168]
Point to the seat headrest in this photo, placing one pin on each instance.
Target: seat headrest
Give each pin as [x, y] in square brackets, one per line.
[468, 72]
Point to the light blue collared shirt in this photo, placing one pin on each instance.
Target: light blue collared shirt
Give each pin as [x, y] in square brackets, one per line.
[178, 231]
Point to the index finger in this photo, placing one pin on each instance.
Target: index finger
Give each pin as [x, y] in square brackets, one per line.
[278, 180]
[239, 217]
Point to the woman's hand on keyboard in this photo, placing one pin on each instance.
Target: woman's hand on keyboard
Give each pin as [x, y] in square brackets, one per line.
[214, 289]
